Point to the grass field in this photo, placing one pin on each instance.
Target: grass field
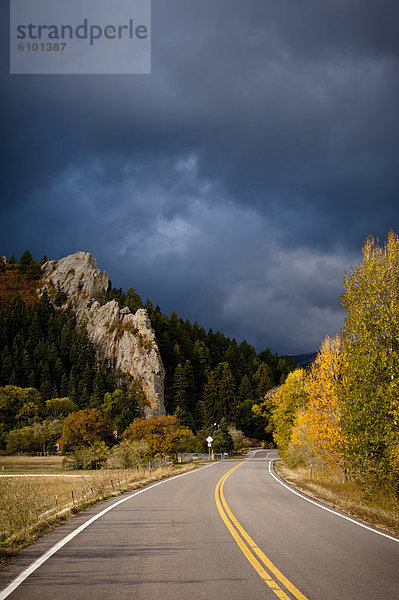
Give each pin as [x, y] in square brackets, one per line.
[31, 464]
[30, 506]
[381, 510]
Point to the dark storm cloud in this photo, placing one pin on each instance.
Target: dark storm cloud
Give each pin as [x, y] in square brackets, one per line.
[237, 182]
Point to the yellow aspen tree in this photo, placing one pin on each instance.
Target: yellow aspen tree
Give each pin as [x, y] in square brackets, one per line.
[279, 408]
[317, 432]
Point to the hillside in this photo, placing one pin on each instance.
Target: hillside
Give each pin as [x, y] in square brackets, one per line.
[67, 333]
[13, 282]
[303, 360]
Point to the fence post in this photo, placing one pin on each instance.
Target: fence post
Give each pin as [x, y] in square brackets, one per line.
[311, 469]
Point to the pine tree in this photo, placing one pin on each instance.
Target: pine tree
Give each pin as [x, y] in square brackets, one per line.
[26, 367]
[133, 300]
[87, 379]
[245, 391]
[201, 363]
[99, 389]
[210, 398]
[65, 344]
[47, 390]
[180, 388]
[64, 391]
[73, 386]
[32, 381]
[235, 360]
[223, 427]
[264, 380]
[226, 395]
[191, 388]
[35, 331]
[58, 374]
[83, 396]
[149, 307]
[183, 386]
[6, 367]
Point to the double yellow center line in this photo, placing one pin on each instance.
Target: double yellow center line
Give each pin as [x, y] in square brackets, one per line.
[256, 557]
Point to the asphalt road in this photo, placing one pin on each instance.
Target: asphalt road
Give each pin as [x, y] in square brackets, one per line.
[181, 541]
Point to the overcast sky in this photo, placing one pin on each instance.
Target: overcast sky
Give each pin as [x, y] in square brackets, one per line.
[237, 182]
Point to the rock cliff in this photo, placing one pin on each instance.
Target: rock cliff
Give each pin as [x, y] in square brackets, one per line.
[125, 341]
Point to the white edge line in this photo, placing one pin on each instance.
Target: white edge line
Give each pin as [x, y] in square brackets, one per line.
[8, 475]
[42, 559]
[334, 512]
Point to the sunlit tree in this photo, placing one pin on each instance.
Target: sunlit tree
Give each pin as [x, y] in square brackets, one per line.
[317, 431]
[371, 342]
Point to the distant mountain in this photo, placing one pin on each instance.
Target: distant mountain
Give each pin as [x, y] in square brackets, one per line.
[303, 360]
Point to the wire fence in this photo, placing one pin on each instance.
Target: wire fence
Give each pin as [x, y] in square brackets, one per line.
[25, 501]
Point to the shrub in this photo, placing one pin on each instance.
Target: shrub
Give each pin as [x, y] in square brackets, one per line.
[91, 457]
[128, 454]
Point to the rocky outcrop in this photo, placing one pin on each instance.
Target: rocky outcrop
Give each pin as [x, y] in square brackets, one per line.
[124, 341]
[80, 278]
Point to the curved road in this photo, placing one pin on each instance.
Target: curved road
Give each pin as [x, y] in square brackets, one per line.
[228, 531]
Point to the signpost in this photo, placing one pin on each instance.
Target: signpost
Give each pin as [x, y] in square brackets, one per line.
[209, 439]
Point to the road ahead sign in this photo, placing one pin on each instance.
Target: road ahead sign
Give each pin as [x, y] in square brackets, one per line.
[209, 439]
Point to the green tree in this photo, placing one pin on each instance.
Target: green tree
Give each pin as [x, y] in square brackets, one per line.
[201, 362]
[99, 388]
[39, 437]
[245, 391]
[59, 408]
[183, 387]
[223, 427]
[133, 300]
[28, 266]
[211, 397]
[121, 406]
[60, 296]
[15, 405]
[91, 457]
[219, 394]
[279, 409]
[264, 380]
[129, 454]
[25, 260]
[371, 333]
[226, 391]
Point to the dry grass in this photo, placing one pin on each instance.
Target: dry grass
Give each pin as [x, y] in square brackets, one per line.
[380, 509]
[30, 506]
[31, 464]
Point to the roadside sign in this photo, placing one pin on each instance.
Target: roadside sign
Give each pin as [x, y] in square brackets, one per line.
[209, 444]
[209, 439]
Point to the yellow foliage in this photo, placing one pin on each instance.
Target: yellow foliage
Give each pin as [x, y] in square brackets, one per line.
[279, 407]
[317, 430]
[161, 434]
